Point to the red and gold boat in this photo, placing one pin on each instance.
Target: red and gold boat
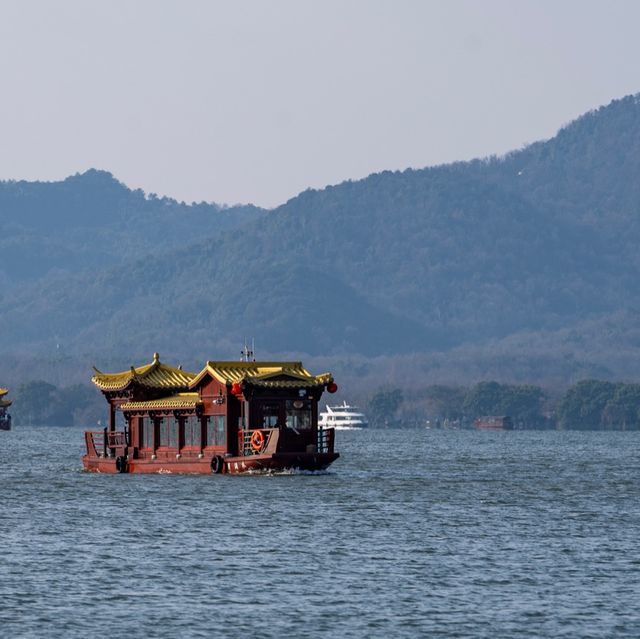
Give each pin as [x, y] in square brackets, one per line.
[231, 417]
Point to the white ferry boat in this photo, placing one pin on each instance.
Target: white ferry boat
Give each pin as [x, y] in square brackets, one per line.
[342, 417]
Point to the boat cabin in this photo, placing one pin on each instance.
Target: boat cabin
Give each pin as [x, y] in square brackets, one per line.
[231, 417]
[5, 418]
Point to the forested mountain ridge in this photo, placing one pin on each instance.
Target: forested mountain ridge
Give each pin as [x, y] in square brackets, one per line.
[93, 220]
[526, 252]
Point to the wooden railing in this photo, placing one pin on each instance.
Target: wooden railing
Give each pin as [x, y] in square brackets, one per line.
[245, 440]
[326, 438]
[117, 438]
[99, 442]
[324, 443]
[96, 442]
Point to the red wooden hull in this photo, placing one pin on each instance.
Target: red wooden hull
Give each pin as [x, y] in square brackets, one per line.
[196, 466]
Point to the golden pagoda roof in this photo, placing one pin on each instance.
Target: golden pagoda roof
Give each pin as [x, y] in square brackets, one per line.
[266, 374]
[180, 400]
[4, 403]
[154, 375]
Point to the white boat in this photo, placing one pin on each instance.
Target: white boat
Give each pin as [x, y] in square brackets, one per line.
[342, 417]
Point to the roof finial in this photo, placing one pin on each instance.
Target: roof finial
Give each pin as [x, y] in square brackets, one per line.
[156, 358]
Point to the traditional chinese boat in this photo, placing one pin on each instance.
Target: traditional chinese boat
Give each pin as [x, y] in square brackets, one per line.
[231, 417]
[5, 418]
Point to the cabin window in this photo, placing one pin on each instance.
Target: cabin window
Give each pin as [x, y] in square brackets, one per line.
[163, 432]
[270, 415]
[146, 426]
[298, 414]
[120, 421]
[192, 431]
[173, 432]
[215, 430]
[168, 430]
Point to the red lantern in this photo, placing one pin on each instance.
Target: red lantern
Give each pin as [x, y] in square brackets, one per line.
[235, 388]
[332, 387]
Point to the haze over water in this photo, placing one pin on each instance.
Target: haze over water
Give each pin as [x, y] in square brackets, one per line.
[445, 534]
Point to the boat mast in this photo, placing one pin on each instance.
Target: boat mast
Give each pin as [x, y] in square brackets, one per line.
[248, 354]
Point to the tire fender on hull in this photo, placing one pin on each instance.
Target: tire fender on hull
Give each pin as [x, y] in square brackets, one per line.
[217, 465]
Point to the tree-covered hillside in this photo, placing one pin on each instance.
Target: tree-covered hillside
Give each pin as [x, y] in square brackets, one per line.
[92, 220]
[529, 253]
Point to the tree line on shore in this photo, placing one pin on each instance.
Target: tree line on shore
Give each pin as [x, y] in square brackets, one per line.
[587, 405]
[39, 403]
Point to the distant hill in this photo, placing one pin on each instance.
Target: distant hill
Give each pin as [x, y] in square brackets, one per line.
[523, 254]
[93, 220]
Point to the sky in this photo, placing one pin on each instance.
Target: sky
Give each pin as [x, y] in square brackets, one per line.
[254, 101]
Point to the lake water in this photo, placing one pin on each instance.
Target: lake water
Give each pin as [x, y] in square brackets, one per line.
[411, 533]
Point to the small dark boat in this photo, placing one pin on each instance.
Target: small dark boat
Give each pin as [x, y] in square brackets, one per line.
[494, 422]
[231, 417]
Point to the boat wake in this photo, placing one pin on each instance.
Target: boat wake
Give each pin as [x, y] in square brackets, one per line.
[286, 472]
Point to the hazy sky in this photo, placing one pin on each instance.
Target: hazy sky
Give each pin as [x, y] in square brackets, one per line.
[255, 101]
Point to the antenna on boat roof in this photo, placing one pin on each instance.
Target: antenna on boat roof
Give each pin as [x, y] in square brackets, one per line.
[247, 354]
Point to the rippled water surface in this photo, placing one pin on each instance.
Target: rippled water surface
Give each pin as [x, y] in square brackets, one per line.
[411, 533]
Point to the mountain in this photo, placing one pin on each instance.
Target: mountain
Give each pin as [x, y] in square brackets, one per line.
[521, 254]
[92, 220]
